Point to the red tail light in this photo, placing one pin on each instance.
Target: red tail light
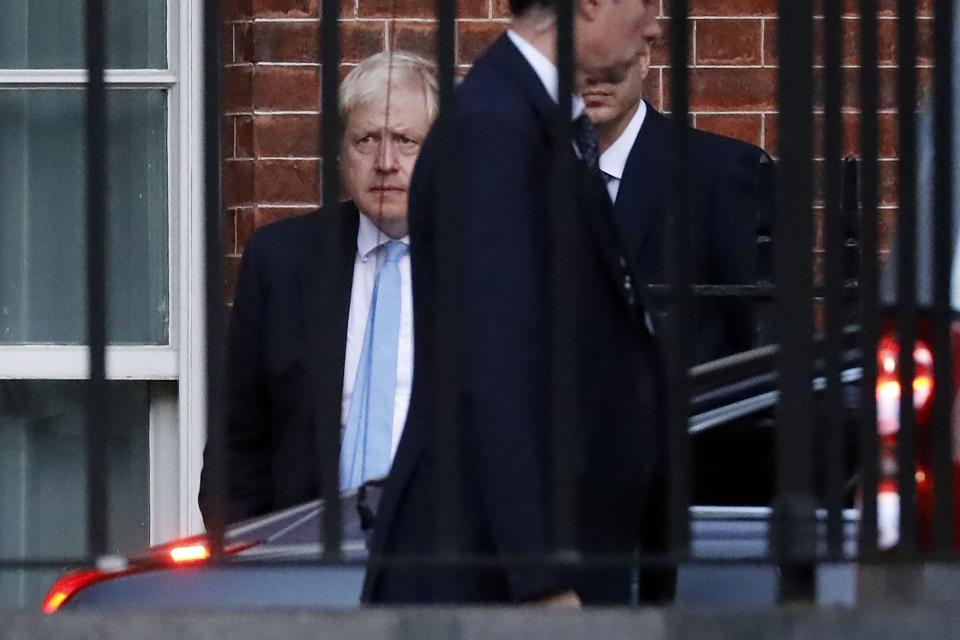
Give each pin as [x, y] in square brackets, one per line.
[69, 584]
[187, 553]
[888, 426]
[888, 382]
[192, 551]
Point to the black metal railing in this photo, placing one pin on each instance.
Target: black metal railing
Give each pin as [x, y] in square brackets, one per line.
[96, 167]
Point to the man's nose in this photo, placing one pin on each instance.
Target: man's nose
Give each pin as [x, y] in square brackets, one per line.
[387, 156]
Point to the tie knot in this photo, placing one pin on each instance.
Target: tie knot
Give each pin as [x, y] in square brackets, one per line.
[585, 137]
[394, 250]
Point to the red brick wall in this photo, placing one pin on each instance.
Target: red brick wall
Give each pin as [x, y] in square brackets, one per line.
[271, 86]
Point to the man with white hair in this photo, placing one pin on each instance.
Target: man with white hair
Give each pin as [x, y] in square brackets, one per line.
[321, 332]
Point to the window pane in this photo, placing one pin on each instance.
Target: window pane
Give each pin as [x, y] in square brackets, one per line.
[48, 34]
[42, 217]
[43, 505]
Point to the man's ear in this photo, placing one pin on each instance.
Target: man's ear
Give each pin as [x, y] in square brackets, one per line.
[589, 9]
[644, 63]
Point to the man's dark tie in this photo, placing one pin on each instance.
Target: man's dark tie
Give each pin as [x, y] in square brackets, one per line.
[585, 137]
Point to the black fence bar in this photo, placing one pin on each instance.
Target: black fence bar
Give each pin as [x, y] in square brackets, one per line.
[447, 384]
[96, 138]
[564, 299]
[328, 436]
[869, 131]
[835, 274]
[906, 251]
[793, 530]
[851, 221]
[943, 195]
[213, 266]
[679, 268]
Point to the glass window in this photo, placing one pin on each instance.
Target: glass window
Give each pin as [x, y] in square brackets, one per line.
[49, 34]
[43, 505]
[42, 246]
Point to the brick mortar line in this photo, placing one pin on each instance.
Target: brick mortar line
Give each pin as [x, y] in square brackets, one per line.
[850, 17]
[754, 67]
[288, 205]
[368, 20]
[290, 158]
[272, 63]
[709, 112]
[763, 42]
[883, 159]
[497, 19]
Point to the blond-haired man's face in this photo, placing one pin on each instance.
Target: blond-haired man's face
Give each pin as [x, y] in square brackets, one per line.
[379, 152]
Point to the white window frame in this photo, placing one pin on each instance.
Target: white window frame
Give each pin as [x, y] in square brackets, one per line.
[175, 372]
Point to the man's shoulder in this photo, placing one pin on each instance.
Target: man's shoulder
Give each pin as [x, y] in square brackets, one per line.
[498, 88]
[282, 238]
[712, 147]
[490, 94]
[719, 149]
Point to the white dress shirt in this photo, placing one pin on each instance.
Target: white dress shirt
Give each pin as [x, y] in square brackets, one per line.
[370, 240]
[614, 159]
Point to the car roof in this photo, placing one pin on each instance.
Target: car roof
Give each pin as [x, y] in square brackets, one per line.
[297, 532]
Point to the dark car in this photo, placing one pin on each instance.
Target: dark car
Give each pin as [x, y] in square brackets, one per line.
[277, 560]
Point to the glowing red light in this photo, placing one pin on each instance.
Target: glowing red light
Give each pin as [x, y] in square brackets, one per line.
[189, 553]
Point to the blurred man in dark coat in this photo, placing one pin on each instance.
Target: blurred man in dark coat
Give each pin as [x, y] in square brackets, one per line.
[503, 144]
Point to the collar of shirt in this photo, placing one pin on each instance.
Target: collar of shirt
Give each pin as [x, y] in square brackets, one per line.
[369, 237]
[614, 159]
[546, 71]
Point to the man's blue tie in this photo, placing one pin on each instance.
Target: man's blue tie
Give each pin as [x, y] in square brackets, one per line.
[367, 439]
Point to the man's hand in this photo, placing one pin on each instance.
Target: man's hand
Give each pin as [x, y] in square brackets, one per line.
[562, 600]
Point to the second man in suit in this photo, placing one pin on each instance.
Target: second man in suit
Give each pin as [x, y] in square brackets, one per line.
[722, 177]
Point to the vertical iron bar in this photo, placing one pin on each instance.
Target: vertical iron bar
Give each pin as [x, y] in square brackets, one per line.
[564, 299]
[213, 265]
[678, 251]
[907, 270]
[328, 439]
[943, 193]
[835, 273]
[447, 387]
[869, 128]
[794, 509]
[96, 135]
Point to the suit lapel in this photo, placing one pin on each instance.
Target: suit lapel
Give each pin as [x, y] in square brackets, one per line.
[325, 286]
[640, 200]
[592, 197]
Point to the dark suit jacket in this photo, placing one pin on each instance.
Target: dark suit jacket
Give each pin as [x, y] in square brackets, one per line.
[722, 178]
[722, 174]
[285, 351]
[503, 145]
